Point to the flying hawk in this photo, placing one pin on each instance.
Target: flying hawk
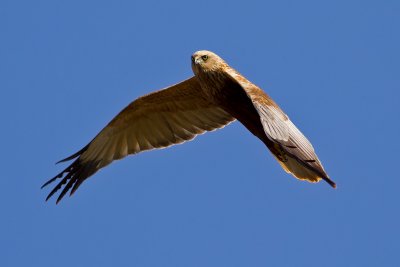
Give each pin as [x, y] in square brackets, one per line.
[215, 96]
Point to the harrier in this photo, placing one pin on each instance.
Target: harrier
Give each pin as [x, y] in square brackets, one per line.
[215, 96]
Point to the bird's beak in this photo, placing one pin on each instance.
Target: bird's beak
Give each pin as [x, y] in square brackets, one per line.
[196, 60]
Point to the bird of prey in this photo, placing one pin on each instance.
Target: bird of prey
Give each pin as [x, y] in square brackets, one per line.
[215, 96]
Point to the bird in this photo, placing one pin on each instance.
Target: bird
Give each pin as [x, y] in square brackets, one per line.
[214, 97]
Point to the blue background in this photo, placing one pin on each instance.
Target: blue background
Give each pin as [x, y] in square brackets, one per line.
[67, 67]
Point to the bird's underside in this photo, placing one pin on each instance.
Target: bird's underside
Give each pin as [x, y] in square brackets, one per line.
[214, 97]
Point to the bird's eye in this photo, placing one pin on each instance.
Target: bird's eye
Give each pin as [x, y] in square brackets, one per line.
[204, 57]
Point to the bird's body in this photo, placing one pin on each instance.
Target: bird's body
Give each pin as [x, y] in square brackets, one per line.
[214, 97]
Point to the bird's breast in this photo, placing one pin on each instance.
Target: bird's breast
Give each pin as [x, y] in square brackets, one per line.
[227, 93]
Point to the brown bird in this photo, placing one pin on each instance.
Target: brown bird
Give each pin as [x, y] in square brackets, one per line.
[213, 98]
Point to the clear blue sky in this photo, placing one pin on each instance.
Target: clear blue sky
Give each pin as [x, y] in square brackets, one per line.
[67, 67]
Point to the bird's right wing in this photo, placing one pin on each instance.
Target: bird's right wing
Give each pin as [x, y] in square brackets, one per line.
[160, 119]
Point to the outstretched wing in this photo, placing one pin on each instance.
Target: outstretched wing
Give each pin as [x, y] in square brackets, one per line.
[295, 153]
[170, 116]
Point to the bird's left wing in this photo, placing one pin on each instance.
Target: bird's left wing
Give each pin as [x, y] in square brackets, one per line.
[161, 119]
[281, 131]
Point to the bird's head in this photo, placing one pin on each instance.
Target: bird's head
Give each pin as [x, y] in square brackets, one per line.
[206, 61]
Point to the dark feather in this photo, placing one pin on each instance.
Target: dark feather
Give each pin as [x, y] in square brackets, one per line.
[72, 176]
[74, 155]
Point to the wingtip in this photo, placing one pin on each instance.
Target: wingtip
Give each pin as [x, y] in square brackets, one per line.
[64, 160]
[77, 154]
[50, 195]
[60, 197]
[330, 182]
[47, 183]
